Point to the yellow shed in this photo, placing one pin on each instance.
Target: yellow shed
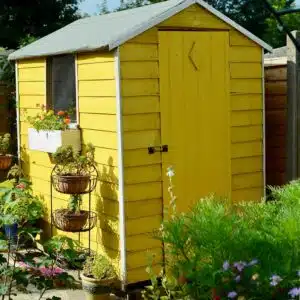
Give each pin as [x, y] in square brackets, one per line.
[177, 76]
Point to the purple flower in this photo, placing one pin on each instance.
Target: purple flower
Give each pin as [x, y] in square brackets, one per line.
[275, 279]
[232, 295]
[294, 292]
[253, 262]
[240, 265]
[226, 265]
[237, 278]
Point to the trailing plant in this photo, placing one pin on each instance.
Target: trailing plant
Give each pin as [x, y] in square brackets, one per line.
[99, 267]
[5, 141]
[49, 120]
[71, 163]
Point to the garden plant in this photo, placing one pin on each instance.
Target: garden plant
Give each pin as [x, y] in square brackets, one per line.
[5, 157]
[219, 250]
[73, 170]
[49, 120]
[98, 277]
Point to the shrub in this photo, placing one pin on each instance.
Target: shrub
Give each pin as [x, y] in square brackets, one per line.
[199, 242]
[99, 267]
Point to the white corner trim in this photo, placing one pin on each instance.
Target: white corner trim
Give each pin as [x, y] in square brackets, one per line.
[18, 112]
[76, 90]
[178, 8]
[122, 220]
[264, 120]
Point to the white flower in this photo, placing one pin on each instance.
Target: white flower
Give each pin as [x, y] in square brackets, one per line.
[170, 172]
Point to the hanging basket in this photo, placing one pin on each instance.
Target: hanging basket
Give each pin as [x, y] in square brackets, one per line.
[74, 185]
[5, 161]
[69, 184]
[66, 220]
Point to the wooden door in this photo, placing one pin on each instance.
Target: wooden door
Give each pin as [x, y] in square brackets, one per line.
[195, 114]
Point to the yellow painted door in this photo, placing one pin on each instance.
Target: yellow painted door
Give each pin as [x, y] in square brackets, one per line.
[195, 114]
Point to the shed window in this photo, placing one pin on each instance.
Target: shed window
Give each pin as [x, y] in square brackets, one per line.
[61, 84]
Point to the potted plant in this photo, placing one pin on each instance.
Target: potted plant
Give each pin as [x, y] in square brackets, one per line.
[18, 206]
[50, 130]
[73, 171]
[98, 278]
[71, 219]
[5, 158]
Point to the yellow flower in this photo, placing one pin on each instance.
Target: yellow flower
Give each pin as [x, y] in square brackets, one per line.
[255, 276]
[50, 113]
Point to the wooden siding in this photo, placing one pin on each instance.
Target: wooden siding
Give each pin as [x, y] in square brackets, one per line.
[276, 117]
[97, 118]
[246, 118]
[140, 96]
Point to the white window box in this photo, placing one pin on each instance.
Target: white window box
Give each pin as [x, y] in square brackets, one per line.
[50, 140]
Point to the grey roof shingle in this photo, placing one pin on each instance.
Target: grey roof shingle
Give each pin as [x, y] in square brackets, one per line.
[111, 30]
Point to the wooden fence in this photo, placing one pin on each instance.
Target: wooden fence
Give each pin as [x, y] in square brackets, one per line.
[276, 123]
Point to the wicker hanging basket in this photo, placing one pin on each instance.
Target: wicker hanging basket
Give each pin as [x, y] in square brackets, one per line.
[66, 220]
[71, 184]
[5, 161]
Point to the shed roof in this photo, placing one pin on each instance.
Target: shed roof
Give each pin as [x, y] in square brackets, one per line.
[111, 30]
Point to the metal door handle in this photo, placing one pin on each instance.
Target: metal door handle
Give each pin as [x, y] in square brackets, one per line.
[153, 149]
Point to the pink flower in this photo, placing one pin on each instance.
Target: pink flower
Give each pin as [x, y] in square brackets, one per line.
[50, 272]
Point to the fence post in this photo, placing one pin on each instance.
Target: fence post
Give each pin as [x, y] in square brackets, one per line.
[293, 109]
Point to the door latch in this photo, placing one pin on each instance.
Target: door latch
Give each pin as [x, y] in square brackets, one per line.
[163, 148]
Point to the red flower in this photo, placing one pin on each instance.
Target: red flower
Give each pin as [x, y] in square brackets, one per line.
[67, 121]
[61, 113]
[21, 186]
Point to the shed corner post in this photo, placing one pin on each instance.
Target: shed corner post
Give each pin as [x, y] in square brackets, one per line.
[18, 112]
[122, 219]
[293, 109]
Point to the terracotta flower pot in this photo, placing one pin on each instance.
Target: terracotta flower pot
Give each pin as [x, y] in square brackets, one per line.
[68, 221]
[5, 161]
[97, 289]
[70, 184]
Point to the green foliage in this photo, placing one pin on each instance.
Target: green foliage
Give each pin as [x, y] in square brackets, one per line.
[34, 18]
[18, 204]
[49, 120]
[15, 172]
[199, 242]
[71, 163]
[99, 267]
[4, 143]
[64, 248]
[74, 203]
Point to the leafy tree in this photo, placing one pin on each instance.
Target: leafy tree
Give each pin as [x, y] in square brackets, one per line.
[22, 18]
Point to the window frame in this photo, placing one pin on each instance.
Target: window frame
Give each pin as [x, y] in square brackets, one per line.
[49, 85]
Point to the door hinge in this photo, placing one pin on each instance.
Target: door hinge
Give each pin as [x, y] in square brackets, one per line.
[153, 149]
